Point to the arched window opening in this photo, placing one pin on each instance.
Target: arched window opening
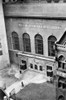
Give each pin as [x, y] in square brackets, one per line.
[51, 42]
[61, 58]
[61, 97]
[26, 42]
[15, 40]
[61, 63]
[38, 44]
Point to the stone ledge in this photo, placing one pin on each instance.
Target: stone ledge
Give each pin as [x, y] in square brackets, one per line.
[53, 10]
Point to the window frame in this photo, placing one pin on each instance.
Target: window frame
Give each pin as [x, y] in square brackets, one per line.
[51, 41]
[15, 41]
[36, 67]
[26, 42]
[38, 44]
[31, 65]
[49, 71]
[41, 68]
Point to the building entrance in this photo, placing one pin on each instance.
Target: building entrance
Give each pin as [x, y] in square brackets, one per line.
[23, 65]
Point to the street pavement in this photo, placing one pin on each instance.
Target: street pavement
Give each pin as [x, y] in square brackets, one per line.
[8, 76]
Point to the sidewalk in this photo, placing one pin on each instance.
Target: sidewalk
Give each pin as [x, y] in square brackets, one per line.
[12, 83]
[28, 77]
[6, 78]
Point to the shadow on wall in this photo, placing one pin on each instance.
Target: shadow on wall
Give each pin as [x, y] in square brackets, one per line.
[2, 94]
[13, 57]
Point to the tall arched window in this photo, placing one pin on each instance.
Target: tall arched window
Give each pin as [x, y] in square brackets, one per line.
[26, 42]
[38, 44]
[15, 40]
[51, 42]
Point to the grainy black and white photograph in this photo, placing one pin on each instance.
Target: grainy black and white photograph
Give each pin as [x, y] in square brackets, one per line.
[32, 49]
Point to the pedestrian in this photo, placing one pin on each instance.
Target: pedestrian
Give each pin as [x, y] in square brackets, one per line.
[22, 84]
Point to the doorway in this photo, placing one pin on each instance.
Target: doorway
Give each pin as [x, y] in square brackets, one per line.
[23, 65]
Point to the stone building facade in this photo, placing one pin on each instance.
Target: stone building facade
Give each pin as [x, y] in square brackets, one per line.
[4, 56]
[61, 70]
[32, 28]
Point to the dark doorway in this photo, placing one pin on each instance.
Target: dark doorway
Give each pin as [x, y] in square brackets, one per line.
[23, 65]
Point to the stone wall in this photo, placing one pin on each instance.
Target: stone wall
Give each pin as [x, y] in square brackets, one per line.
[4, 56]
[45, 28]
[43, 10]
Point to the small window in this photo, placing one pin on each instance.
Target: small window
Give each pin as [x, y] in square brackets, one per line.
[60, 84]
[60, 62]
[26, 42]
[36, 67]
[49, 67]
[23, 61]
[31, 65]
[61, 65]
[40, 68]
[16, 55]
[50, 73]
